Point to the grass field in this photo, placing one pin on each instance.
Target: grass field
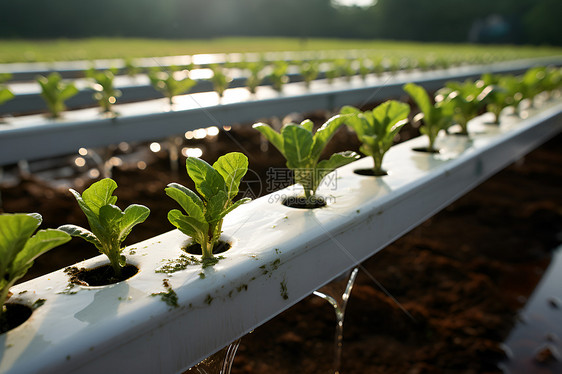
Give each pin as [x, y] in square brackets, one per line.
[98, 48]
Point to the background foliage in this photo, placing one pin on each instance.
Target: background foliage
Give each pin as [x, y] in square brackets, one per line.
[499, 21]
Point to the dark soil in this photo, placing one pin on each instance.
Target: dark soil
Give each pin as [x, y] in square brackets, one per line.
[301, 202]
[219, 247]
[461, 276]
[100, 276]
[13, 316]
[425, 150]
[370, 172]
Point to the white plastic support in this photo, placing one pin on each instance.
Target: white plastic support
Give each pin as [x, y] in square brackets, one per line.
[34, 137]
[279, 256]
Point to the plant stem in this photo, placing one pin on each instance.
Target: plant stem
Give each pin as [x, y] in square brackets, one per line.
[3, 296]
[377, 158]
[114, 261]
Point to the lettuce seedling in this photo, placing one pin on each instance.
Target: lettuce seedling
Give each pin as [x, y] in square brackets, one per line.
[553, 80]
[255, 77]
[219, 79]
[532, 83]
[333, 72]
[376, 129]
[465, 100]
[512, 86]
[345, 68]
[278, 76]
[498, 99]
[218, 185]
[170, 83]
[302, 149]
[366, 67]
[109, 225]
[309, 72]
[435, 116]
[105, 94]
[54, 91]
[5, 93]
[131, 68]
[18, 248]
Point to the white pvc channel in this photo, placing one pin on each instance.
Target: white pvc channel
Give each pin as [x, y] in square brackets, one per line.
[35, 137]
[279, 256]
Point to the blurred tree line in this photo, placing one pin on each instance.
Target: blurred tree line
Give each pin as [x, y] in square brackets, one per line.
[497, 21]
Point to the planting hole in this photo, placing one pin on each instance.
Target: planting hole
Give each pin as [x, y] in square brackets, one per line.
[425, 150]
[13, 316]
[101, 276]
[195, 248]
[301, 202]
[370, 172]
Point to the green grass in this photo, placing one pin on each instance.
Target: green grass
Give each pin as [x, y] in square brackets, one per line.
[98, 48]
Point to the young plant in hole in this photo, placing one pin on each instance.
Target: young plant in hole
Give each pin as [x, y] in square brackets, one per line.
[309, 72]
[553, 80]
[278, 75]
[345, 68]
[219, 79]
[105, 94]
[302, 149]
[109, 225]
[532, 83]
[5, 93]
[498, 98]
[19, 247]
[435, 116]
[376, 129]
[54, 91]
[465, 100]
[513, 87]
[333, 72]
[131, 68]
[366, 67]
[218, 185]
[255, 76]
[170, 83]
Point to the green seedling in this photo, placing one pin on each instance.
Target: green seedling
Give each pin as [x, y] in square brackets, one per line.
[532, 83]
[219, 79]
[553, 80]
[378, 65]
[19, 247]
[345, 68]
[218, 185]
[366, 67]
[498, 99]
[131, 68]
[278, 76]
[309, 71]
[170, 83]
[435, 116]
[513, 87]
[109, 225]
[54, 91]
[332, 72]
[105, 94]
[5, 93]
[465, 100]
[376, 129]
[302, 149]
[255, 76]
